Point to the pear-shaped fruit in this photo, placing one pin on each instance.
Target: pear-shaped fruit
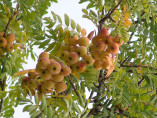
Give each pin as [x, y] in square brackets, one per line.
[60, 87]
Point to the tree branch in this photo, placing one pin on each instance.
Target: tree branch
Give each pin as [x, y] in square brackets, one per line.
[109, 13]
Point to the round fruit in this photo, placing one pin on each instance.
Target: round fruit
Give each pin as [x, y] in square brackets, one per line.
[60, 87]
[45, 74]
[88, 59]
[43, 63]
[54, 68]
[72, 58]
[82, 51]
[44, 54]
[9, 47]
[3, 42]
[80, 66]
[58, 78]
[10, 37]
[98, 64]
[83, 41]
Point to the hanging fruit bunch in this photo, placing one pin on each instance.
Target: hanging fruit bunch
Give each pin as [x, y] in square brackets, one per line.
[49, 76]
[6, 43]
[75, 53]
[103, 49]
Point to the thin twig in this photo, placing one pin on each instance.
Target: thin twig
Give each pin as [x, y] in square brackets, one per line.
[73, 86]
[124, 60]
[109, 13]
[140, 82]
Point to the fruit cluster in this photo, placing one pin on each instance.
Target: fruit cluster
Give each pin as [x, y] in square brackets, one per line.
[6, 43]
[75, 53]
[51, 74]
[103, 49]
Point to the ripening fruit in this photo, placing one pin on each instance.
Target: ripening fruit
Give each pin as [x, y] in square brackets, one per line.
[116, 39]
[72, 58]
[104, 55]
[72, 67]
[73, 49]
[60, 87]
[65, 70]
[39, 96]
[58, 78]
[73, 40]
[44, 54]
[91, 48]
[65, 47]
[1, 33]
[98, 64]
[64, 55]
[9, 47]
[25, 81]
[106, 64]
[83, 32]
[49, 84]
[100, 46]
[3, 42]
[80, 66]
[113, 48]
[42, 89]
[10, 37]
[103, 32]
[43, 63]
[96, 39]
[2, 51]
[107, 40]
[88, 59]
[96, 55]
[38, 69]
[82, 51]
[52, 60]
[90, 35]
[32, 75]
[46, 75]
[83, 41]
[54, 68]
[33, 84]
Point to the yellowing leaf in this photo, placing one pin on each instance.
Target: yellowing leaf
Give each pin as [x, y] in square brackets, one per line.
[124, 8]
[69, 96]
[67, 36]
[110, 70]
[24, 72]
[75, 74]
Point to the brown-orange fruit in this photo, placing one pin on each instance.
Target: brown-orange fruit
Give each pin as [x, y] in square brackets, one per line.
[2, 51]
[3, 42]
[60, 87]
[107, 40]
[65, 47]
[83, 41]
[103, 32]
[52, 60]
[1, 33]
[42, 89]
[9, 47]
[25, 81]
[73, 49]
[83, 32]
[113, 48]
[32, 75]
[82, 51]
[33, 84]
[43, 63]
[58, 78]
[49, 84]
[10, 37]
[88, 59]
[73, 40]
[104, 55]
[64, 55]
[72, 58]
[80, 66]
[95, 54]
[100, 46]
[116, 39]
[106, 64]
[45, 74]
[98, 64]
[54, 68]
[65, 70]
[95, 39]
[44, 54]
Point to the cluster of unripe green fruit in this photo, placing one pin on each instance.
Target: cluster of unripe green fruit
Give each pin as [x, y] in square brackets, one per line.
[6, 42]
[75, 53]
[103, 49]
[49, 76]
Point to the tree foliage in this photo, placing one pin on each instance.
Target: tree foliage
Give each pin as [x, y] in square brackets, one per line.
[129, 91]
